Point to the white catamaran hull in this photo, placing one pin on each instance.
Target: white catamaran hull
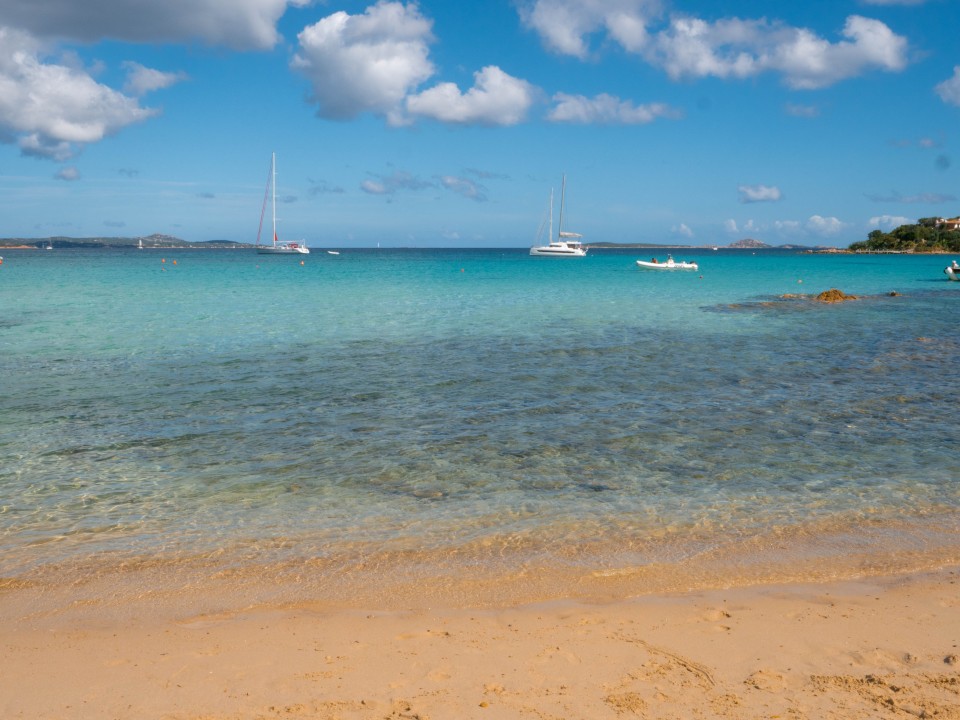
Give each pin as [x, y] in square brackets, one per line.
[567, 244]
[559, 250]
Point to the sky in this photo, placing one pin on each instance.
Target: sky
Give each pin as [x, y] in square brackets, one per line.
[448, 123]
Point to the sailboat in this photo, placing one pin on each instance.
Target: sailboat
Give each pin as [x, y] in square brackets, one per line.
[278, 247]
[567, 243]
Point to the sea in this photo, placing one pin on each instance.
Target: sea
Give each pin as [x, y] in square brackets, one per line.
[394, 426]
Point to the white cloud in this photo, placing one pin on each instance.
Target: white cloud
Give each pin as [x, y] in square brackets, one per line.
[759, 193]
[824, 225]
[375, 187]
[683, 230]
[888, 221]
[68, 173]
[52, 107]
[365, 63]
[727, 48]
[730, 226]
[37, 146]
[788, 227]
[496, 98]
[563, 24]
[809, 62]
[734, 48]
[949, 90]
[141, 80]
[240, 24]
[464, 186]
[606, 109]
[390, 184]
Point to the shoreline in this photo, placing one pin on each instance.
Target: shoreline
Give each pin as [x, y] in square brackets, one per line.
[879, 647]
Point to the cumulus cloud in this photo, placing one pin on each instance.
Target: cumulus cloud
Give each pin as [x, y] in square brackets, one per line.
[53, 107]
[682, 230]
[949, 90]
[824, 225]
[240, 24]
[464, 186]
[759, 193]
[689, 47]
[141, 80]
[564, 24]
[606, 109]
[888, 221]
[366, 63]
[496, 98]
[734, 48]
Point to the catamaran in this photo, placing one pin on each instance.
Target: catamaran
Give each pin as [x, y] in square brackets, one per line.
[567, 244]
[278, 247]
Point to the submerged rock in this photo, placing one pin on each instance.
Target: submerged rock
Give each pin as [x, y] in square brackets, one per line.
[833, 295]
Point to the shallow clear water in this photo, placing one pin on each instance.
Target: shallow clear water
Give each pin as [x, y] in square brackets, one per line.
[474, 405]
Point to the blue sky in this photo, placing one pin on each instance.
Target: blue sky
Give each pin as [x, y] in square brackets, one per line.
[445, 123]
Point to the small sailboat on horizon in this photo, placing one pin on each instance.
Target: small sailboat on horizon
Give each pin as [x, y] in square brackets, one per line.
[567, 244]
[278, 247]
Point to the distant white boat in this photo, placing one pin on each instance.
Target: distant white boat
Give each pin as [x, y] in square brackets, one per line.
[278, 247]
[49, 246]
[567, 244]
[332, 252]
[670, 264]
[140, 244]
[953, 271]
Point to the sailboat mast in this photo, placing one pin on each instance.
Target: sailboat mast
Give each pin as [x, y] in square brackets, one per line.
[563, 190]
[550, 236]
[273, 171]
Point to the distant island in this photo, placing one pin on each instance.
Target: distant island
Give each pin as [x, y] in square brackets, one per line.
[744, 244]
[157, 240]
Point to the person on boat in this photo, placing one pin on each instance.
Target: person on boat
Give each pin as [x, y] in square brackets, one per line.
[653, 260]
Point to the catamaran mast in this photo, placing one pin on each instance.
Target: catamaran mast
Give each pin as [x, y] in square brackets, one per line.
[273, 172]
[563, 189]
[550, 236]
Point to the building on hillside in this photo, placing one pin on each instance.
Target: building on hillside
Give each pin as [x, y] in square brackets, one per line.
[948, 223]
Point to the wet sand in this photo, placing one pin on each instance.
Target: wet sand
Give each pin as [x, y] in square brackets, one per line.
[884, 647]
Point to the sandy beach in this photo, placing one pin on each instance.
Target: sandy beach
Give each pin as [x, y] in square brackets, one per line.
[882, 647]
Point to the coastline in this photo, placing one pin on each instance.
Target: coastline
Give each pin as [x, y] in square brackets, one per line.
[879, 647]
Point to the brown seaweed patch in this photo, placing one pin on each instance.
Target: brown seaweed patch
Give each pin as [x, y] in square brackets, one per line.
[797, 301]
[834, 296]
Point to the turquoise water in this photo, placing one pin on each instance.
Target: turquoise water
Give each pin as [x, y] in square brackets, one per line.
[479, 406]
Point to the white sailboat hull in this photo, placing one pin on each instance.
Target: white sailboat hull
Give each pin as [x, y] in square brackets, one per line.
[283, 249]
[279, 247]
